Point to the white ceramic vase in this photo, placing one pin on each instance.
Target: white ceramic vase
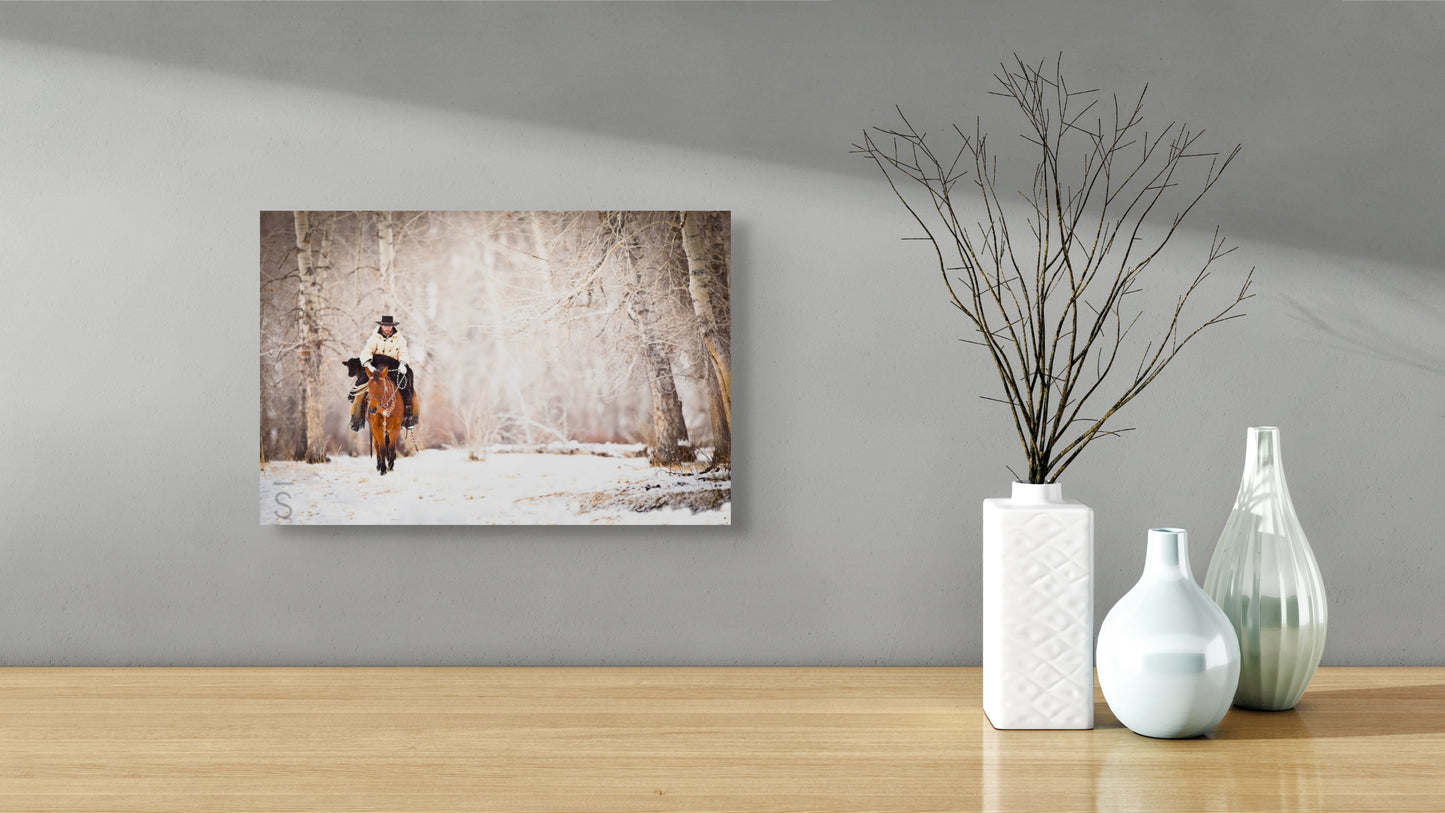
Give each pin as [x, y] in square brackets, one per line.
[1168, 656]
[1038, 609]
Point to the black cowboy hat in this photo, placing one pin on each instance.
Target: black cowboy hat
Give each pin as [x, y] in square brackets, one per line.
[386, 320]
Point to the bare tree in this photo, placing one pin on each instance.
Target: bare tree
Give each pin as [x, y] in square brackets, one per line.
[386, 255]
[586, 311]
[699, 288]
[1049, 302]
[312, 276]
[670, 441]
[283, 420]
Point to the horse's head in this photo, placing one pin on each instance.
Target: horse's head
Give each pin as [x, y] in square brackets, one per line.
[381, 391]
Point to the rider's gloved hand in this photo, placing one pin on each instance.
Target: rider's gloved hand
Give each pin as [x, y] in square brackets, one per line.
[403, 368]
[369, 368]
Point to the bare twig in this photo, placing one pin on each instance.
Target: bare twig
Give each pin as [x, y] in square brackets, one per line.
[1048, 302]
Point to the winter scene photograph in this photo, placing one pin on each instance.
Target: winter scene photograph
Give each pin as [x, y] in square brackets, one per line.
[495, 368]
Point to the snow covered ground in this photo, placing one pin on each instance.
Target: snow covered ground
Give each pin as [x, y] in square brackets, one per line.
[440, 486]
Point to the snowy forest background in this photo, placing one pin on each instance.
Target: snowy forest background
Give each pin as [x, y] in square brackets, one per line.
[531, 332]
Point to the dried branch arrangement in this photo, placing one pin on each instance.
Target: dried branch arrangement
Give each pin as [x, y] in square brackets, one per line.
[1050, 304]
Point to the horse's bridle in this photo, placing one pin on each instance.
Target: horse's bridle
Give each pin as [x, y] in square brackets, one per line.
[386, 407]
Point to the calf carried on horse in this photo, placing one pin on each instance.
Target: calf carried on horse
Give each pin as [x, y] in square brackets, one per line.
[386, 365]
[386, 347]
[382, 405]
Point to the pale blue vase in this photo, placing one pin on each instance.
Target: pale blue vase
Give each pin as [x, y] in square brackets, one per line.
[1168, 658]
[1265, 578]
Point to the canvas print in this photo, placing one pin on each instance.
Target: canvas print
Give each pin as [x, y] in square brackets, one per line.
[495, 368]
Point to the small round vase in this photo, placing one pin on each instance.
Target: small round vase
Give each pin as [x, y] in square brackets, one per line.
[1168, 657]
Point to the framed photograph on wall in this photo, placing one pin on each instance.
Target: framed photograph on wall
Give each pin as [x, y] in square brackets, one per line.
[495, 368]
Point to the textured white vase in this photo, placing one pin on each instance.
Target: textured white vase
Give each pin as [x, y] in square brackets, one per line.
[1038, 610]
[1168, 656]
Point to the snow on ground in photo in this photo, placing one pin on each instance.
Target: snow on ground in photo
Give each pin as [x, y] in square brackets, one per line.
[441, 486]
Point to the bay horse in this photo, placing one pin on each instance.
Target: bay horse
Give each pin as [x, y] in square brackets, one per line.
[384, 410]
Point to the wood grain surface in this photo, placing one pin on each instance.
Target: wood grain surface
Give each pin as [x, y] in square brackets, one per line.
[685, 739]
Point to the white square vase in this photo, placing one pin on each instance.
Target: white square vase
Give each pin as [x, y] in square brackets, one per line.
[1038, 610]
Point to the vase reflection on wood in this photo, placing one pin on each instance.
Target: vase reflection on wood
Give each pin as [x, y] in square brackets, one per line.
[1265, 578]
[1038, 609]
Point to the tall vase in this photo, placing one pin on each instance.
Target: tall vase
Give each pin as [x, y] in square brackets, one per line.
[1265, 578]
[1168, 657]
[1038, 609]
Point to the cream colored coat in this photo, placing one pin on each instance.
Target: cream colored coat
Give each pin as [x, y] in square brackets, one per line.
[393, 345]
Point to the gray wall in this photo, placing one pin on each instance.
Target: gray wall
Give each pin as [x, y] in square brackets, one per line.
[138, 143]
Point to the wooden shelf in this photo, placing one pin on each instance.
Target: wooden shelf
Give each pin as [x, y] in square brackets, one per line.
[640, 739]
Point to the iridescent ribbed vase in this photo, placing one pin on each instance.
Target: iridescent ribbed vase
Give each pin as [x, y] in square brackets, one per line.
[1265, 578]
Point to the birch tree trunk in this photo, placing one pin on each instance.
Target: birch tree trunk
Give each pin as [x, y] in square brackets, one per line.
[386, 257]
[360, 441]
[722, 431]
[699, 286]
[670, 442]
[310, 307]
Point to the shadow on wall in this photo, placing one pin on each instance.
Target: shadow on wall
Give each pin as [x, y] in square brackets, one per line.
[794, 83]
[1399, 317]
